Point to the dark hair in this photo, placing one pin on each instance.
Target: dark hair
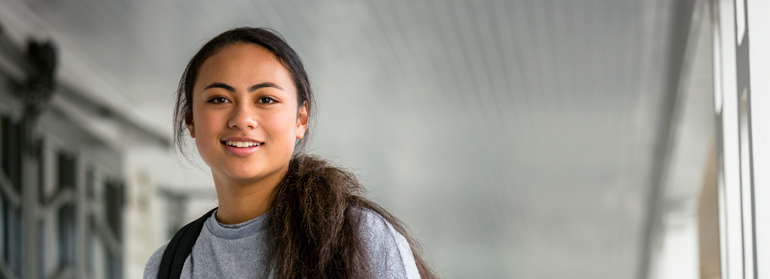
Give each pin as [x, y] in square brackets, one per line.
[313, 224]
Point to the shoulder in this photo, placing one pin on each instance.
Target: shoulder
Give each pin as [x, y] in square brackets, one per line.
[373, 224]
[389, 251]
[153, 264]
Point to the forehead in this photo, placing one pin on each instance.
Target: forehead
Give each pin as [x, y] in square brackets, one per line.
[242, 65]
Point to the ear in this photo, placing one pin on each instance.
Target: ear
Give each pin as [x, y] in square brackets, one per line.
[302, 117]
[190, 126]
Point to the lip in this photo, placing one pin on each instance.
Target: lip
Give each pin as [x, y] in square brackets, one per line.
[241, 151]
[240, 139]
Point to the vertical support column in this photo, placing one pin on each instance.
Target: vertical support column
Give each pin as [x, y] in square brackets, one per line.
[743, 88]
[758, 53]
[39, 87]
[82, 208]
[30, 204]
[727, 148]
[733, 99]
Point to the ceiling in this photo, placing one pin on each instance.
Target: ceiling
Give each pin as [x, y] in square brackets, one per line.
[518, 139]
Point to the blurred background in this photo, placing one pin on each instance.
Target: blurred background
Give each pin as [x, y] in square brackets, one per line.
[515, 138]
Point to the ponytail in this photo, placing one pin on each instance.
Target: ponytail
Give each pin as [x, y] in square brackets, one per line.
[313, 227]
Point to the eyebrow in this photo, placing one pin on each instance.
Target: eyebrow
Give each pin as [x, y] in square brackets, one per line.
[251, 89]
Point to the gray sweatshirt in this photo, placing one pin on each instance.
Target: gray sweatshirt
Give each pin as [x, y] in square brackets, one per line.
[238, 251]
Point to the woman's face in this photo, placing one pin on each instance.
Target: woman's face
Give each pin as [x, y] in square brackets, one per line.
[245, 114]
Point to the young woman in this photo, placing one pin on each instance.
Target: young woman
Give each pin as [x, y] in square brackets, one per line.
[246, 100]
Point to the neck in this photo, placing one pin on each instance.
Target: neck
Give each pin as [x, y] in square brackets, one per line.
[240, 201]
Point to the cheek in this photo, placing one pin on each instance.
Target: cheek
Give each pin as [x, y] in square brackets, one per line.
[203, 139]
[282, 129]
[207, 126]
[203, 127]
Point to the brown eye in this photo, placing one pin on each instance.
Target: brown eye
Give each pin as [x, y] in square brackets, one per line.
[266, 100]
[218, 100]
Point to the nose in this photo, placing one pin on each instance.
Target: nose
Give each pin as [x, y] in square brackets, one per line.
[243, 117]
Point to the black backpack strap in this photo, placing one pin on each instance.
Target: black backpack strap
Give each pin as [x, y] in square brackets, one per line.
[180, 247]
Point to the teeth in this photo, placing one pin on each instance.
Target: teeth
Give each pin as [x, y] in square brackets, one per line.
[241, 143]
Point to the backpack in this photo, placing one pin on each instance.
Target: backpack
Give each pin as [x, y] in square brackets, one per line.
[180, 247]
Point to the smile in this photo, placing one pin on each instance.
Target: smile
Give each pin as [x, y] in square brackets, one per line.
[241, 147]
[241, 144]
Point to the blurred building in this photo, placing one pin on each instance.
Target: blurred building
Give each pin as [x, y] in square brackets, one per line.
[62, 180]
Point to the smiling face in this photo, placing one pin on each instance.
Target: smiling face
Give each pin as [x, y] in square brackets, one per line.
[245, 117]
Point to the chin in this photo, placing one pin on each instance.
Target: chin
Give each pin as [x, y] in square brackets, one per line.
[245, 175]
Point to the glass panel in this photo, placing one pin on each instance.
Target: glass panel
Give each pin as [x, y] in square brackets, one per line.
[67, 171]
[66, 214]
[3, 225]
[114, 198]
[67, 236]
[11, 158]
[14, 241]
